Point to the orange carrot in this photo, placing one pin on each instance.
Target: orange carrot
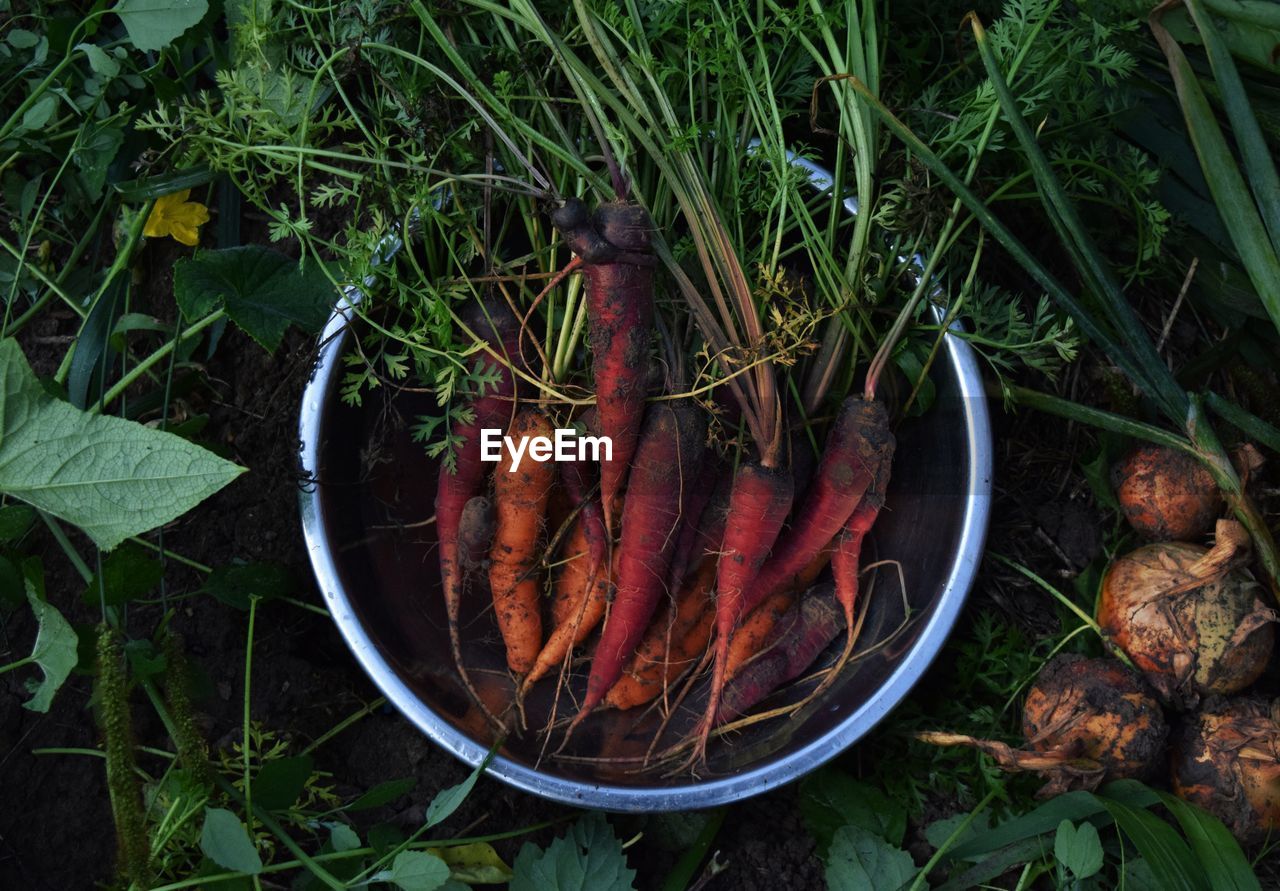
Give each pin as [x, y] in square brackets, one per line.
[520, 499]
[758, 627]
[674, 642]
[578, 604]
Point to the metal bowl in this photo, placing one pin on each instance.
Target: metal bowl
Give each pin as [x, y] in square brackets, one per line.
[374, 559]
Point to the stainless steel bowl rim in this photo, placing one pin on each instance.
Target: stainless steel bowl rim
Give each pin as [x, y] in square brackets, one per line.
[695, 794]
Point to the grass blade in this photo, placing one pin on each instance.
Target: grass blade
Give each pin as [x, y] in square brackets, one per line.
[1154, 376]
[1258, 165]
[1234, 201]
[1172, 862]
[1214, 846]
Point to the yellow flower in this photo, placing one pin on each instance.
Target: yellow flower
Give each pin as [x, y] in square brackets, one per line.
[175, 215]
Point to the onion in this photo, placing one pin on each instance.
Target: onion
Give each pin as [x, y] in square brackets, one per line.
[1166, 495]
[1086, 721]
[1188, 617]
[1227, 761]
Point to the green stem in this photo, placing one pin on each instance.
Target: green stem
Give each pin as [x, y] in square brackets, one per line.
[150, 362]
[1095, 417]
[922, 880]
[248, 673]
[304, 859]
[67, 547]
[346, 722]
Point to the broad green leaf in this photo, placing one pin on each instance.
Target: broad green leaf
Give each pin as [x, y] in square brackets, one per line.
[1073, 806]
[239, 583]
[1078, 848]
[262, 290]
[415, 871]
[21, 38]
[111, 477]
[474, 864]
[1214, 846]
[939, 832]
[860, 860]
[1164, 850]
[154, 24]
[830, 799]
[127, 573]
[226, 842]
[39, 114]
[280, 782]
[94, 153]
[100, 60]
[55, 650]
[588, 858]
[15, 521]
[448, 800]
[383, 793]
[343, 838]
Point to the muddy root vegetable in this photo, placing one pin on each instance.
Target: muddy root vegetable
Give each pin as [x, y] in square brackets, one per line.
[1086, 721]
[578, 603]
[615, 246]
[858, 445]
[667, 458]
[1227, 760]
[494, 323]
[758, 504]
[1166, 494]
[846, 556]
[1189, 617]
[475, 533]
[758, 628]
[673, 644]
[809, 629]
[520, 496]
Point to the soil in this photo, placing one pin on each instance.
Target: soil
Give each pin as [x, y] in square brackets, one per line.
[304, 680]
[56, 830]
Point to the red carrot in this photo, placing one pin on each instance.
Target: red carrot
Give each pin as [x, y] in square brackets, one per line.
[475, 534]
[856, 445]
[674, 642]
[665, 461]
[816, 622]
[758, 503]
[845, 557]
[494, 323]
[695, 501]
[615, 246]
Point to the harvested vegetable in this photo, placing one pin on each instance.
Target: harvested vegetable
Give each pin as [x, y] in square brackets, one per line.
[521, 498]
[1166, 494]
[1189, 617]
[808, 630]
[673, 644]
[1086, 721]
[666, 459]
[578, 604]
[1227, 761]
[494, 323]
[614, 244]
[475, 534]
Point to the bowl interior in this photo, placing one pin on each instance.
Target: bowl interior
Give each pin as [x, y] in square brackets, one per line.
[375, 554]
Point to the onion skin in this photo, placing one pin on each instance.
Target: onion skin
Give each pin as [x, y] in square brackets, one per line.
[1191, 623]
[1166, 495]
[1097, 709]
[1227, 761]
